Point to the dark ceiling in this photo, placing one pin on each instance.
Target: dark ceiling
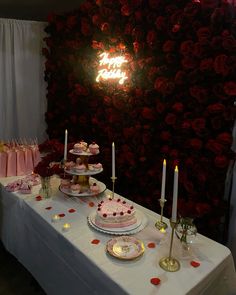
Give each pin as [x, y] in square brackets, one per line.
[35, 9]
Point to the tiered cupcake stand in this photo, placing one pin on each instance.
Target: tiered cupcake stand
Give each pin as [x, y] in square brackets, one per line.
[84, 179]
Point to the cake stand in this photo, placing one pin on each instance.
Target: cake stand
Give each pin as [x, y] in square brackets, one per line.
[84, 178]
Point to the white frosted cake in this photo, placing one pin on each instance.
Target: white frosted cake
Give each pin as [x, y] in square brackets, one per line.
[115, 213]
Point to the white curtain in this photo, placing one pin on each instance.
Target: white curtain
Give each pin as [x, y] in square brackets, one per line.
[232, 223]
[22, 85]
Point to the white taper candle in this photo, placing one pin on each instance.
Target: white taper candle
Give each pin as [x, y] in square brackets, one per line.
[113, 161]
[163, 183]
[65, 145]
[175, 195]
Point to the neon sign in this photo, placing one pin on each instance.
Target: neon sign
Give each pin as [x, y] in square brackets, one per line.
[111, 68]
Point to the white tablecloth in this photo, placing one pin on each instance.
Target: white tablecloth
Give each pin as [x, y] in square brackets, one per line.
[68, 263]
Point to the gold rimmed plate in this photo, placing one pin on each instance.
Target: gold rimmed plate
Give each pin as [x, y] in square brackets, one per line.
[125, 247]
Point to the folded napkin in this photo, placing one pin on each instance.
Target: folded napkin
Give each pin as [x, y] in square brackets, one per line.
[3, 164]
[11, 163]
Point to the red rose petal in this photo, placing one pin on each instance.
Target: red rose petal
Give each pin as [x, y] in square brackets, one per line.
[151, 245]
[38, 198]
[48, 208]
[195, 263]
[95, 241]
[61, 214]
[71, 210]
[155, 281]
[91, 204]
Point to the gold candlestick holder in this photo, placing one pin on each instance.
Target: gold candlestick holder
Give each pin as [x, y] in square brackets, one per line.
[160, 224]
[113, 179]
[170, 263]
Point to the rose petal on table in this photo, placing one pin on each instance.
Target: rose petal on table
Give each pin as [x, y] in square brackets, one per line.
[195, 263]
[155, 281]
[48, 208]
[151, 245]
[38, 198]
[95, 241]
[91, 204]
[71, 210]
[61, 214]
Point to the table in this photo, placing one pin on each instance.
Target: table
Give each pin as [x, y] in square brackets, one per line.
[69, 263]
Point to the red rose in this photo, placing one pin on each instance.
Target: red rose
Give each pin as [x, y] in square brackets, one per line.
[178, 107]
[105, 27]
[202, 208]
[168, 46]
[148, 114]
[229, 43]
[214, 146]
[151, 37]
[199, 124]
[176, 28]
[216, 123]
[160, 107]
[160, 23]
[204, 33]
[81, 90]
[146, 138]
[163, 85]
[195, 144]
[221, 161]
[186, 125]
[216, 108]
[128, 132]
[138, 15]
[220, 65]
[230, 88]
[137, 46]
[199, 93]
[126, 10]
[71, 21]
[85, 27]
[209, 4]
[96, 19]
[189, 63]
[180, 77]
[165, 149]
[186, 47]
[225, 138]
[206, 64]
[165, 135]
[170, 119]
[199, 50]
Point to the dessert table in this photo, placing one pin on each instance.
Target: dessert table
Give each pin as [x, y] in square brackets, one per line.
[76, 261]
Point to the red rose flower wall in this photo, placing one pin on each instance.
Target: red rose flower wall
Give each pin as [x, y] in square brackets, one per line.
[177, 102]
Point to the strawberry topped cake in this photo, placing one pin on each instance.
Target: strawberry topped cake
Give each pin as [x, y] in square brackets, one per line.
[115, 213]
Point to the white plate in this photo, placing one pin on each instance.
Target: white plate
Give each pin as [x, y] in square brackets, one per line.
[128, 230]
[82, 153]
[87, 172]
[85, 194]
[125, 247]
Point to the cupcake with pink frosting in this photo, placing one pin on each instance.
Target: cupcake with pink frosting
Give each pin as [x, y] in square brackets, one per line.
[97, 166]
[75, 188]
[94, 188]
[94, 148]
[65, 183]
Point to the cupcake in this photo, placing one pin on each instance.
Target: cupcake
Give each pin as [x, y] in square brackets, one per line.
[75, 188]
[69, 165]
[78, 147]
[94, 188]
[79, 168]
[65, 183]
[25, 188]
[97, 166]
[94, 148]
